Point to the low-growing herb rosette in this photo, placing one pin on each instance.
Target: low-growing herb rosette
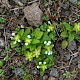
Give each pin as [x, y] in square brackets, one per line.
[36, 44]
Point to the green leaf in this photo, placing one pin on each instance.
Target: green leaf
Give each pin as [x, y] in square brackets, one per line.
[13, 45]
[43, 67]
[17, 37]
[77, 37]
[1, 63]
[46, 17]
[64, 34]
[1, 71]
[43, 27]
[21, 32]
[26, 33]
[28, 55]
[46, 37]
[36, 53]
[64, 44]
[71, 36]
[2, 20]
[32, 47]
[67, 26]
[6, 57]
[37, 33]
[52, 36]
[77, 27]
[24, 47]
[41, 72]
[28, 30]
[35, 41]
[50, 57]
[7, 50]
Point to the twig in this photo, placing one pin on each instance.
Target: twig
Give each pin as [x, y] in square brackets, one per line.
[5, 38]
[32, 1]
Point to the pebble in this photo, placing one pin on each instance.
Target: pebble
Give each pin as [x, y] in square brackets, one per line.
[54, 72]
[34, 71]
[72, 45]
[67, 55]
[1, 43]
[79, 63]
[51, 78]
[45, 77]
[79, 66]
[61, 77]
[78, 48]
[74, 1]
[33, 14]
[66, 5]
[19, 72]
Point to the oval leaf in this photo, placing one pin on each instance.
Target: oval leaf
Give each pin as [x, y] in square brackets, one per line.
[64, 44]
[35, 41]
[71, 37]
[64, 34]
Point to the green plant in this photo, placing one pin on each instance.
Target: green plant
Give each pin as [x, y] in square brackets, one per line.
[1, 63]
[2, 20]
[67, 75]
[36, 44]
[1, 73]
[70, 75]
[69, 33]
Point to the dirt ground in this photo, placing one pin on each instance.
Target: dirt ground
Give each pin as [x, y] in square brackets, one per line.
[67, 60]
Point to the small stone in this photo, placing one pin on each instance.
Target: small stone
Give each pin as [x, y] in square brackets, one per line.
[19, 72]
[67, 55]
[67, 13]
[65, 5]
[61, 77]
[45, 77]
[79, 63]
[51, 78]
[18, 2]
[54, 72]
[34, 71]
[74, 1]
[1, 43]
[79, 48]
[33, 14]
[79, 66]
[72, 45]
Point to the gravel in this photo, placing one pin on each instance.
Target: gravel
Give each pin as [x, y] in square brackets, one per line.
[54, 72]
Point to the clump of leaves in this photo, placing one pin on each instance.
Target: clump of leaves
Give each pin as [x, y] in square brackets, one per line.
[36, 44]
[2, 20]
[69, 33]
[1, 73]
[70, 75]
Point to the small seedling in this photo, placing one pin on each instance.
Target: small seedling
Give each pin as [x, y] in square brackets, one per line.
[2, 20]
[69, 33]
